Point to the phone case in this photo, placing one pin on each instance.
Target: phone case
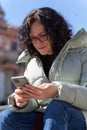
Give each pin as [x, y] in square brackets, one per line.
[19, 81]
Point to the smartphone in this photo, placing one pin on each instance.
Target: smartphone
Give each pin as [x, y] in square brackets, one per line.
[19, 81]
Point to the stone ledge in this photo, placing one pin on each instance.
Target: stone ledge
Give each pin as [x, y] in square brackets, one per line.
[2, 107]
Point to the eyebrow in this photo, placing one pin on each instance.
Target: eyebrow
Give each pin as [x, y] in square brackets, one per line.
[39, 34]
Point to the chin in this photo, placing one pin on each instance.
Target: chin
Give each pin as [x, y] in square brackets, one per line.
[43, 53]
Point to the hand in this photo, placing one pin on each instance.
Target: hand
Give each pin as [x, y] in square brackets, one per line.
[20, 99]
[42, 92]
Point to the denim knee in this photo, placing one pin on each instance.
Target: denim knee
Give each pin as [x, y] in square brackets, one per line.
[65, 114]
[57, 104]
[11, 120]
[6, 114]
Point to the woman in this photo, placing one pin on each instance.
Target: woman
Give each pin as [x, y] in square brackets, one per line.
[56, 67]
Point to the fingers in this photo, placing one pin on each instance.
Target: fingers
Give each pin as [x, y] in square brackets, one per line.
[32, 90]
[20, 101]
[21, 104]
[21, 98]
[42, 92]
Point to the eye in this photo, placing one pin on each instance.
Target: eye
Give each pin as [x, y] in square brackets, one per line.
[33, 39]
[43, 37]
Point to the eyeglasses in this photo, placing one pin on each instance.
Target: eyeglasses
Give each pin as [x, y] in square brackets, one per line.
[41, 38]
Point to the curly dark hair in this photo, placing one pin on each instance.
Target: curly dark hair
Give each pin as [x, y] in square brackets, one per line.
[55, 26]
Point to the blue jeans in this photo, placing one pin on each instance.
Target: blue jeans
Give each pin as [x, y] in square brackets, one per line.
[58, 116]
[11, 120]
[63, 116]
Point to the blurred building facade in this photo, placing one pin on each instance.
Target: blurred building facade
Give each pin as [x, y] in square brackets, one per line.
[8, 55]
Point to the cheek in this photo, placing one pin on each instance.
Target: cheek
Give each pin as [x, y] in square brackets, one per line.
[49, 45]
[36, 45]
[49, 49]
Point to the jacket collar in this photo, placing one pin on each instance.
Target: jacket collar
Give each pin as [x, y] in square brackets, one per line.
[78, 41]
[23, 57]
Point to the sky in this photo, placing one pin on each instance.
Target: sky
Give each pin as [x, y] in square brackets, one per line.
[74, 11]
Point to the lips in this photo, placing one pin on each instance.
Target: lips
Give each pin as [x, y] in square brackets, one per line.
[41, 48]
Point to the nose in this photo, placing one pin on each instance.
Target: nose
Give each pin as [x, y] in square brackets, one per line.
[38, 41]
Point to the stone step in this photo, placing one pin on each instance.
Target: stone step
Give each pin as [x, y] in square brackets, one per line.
[2, 107]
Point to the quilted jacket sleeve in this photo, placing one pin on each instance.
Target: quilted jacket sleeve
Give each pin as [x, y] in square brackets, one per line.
[76, 94]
